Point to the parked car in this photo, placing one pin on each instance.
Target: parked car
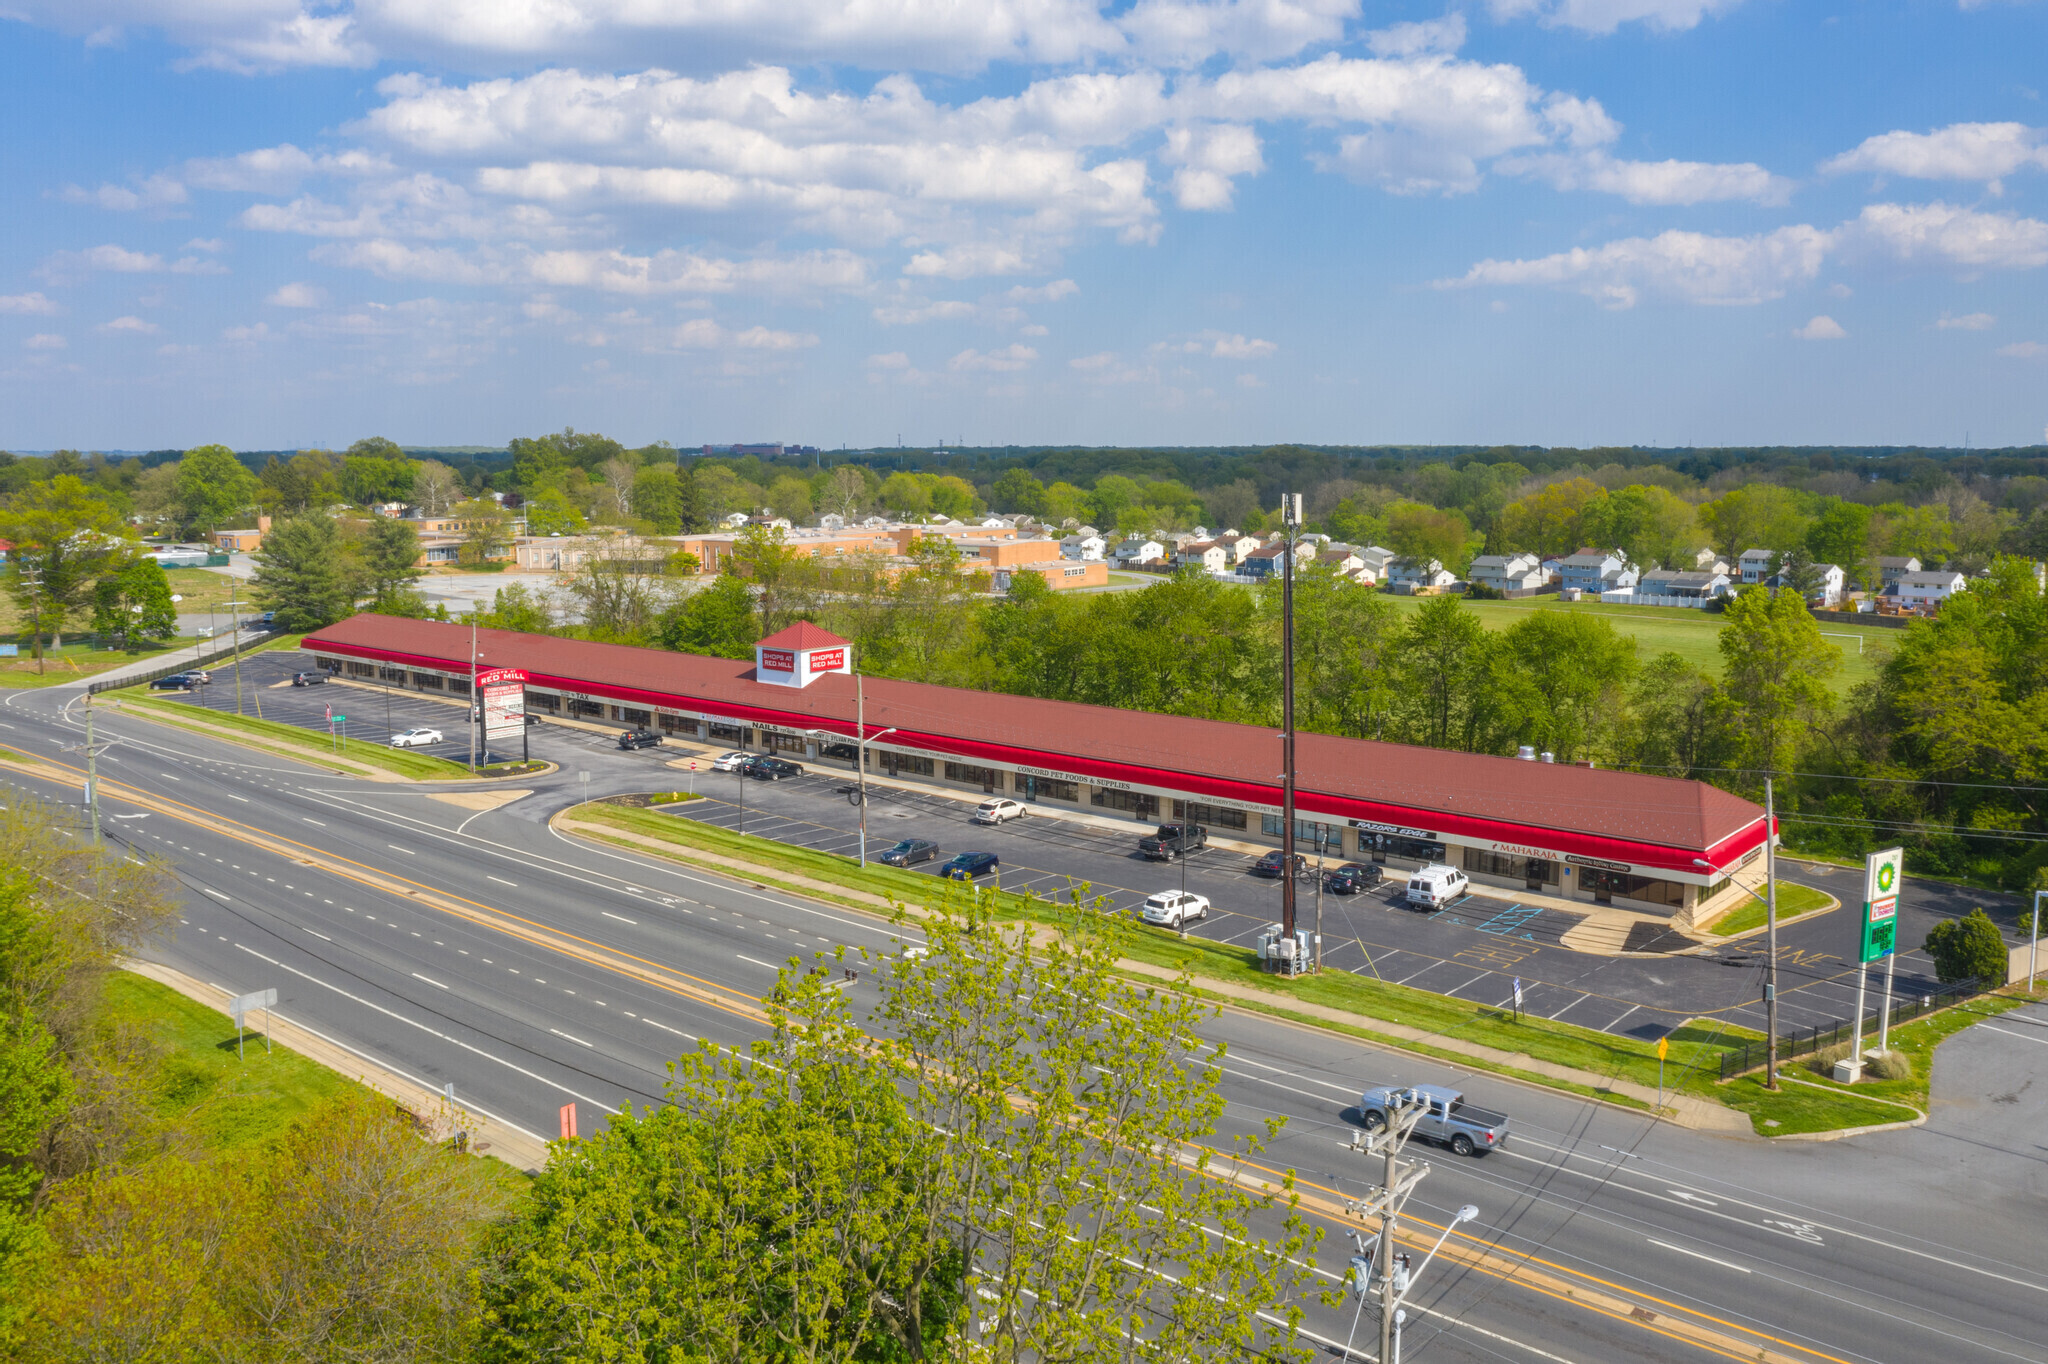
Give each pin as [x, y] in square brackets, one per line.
[765, 768]
[909, 852]
[1173, 840]
[968, 865]
[309, 679]
[996, 811]
[1274, 864]
[642, 737]
[1353, 877]
[1174, 908]
[1466, 1129]
[175, 682]
[417, 738]
[731, 762]
[199, 675]
[1437, 885]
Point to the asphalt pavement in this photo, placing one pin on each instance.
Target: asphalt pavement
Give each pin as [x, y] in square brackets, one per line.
[1900, 1246]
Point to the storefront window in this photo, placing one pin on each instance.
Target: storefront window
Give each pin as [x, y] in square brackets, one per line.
[1214, 816]
[898, 763]
[1307, 833]
[785, 743]
[732, 734]
[1605, 885]
[1135, 802]
[636, 717]
[1048, 788]
[1528, 870]
[987, 778]
[1383, 846]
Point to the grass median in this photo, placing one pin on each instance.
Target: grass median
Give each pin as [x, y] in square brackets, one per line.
[289, 740]
[1793, 901]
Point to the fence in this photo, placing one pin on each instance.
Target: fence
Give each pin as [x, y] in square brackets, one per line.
[1634, 598]
[227, 649]
[1750, 1055]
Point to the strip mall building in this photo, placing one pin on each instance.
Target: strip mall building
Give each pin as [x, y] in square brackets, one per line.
[1657, 844]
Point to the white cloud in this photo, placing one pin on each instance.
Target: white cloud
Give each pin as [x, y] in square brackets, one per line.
[671, 271]
[1944, 234]
[1008, 359]
[133, 325]
[1208, 156]
[1107, 367]
[1250, 381]
[46, 341]
[1188, 32]
[1968, 322]
[1089, 364]
[296, 295]
[1961, 151]
[1428, 38]
[73, 265]
[894, 359]
[1604, 16]
[1651, 182]
[2024, 350]
[703, 334]
[907, 314]
[156, 192]
[1820, 328]
[966, 262]
[1237, 347]
[259, 332]
[1043, 293]
[23, 304]
[277, 170]
[1688, 266]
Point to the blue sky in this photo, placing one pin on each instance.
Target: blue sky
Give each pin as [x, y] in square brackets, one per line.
[292, 222]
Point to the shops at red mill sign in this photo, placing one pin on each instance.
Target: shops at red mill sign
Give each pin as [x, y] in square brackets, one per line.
[800, 655]
[504, 696]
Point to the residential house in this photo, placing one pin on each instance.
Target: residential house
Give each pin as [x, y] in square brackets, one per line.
[1703, 584]
[1508, 572]
[1207, 555]
[1553, 568]
[1137, 550]
[1083, 548]
[1418, 576]
[1927, 589]
[1754, 565]
[1377, 558]
[1707, 561]
[1828, 595]
[1597, 571]
[1891, 569]
[1343, 559]
[1266, 561]
[1237, 546]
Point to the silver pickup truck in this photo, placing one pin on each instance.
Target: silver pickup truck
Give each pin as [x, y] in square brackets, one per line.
[1464, 1128]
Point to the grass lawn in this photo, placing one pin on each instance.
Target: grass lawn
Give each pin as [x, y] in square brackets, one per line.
[219, 1100]
[288, 740]
[1692, 635]
[1793, 901]
[72, 662]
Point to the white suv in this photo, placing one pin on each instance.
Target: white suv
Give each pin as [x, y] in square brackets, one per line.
[996, 811]
[1174, 908]
[1433, 887]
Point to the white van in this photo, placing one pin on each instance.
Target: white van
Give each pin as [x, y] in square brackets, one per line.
[1436, 886]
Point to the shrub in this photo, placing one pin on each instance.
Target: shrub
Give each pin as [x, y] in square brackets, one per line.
[1890, 1065]
[1970, 948]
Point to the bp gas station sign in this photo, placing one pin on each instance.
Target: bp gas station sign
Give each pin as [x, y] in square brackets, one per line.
[1881, 872]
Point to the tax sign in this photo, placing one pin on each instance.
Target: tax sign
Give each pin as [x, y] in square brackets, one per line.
[1881, 873]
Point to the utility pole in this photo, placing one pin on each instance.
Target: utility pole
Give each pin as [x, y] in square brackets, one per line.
[1290, 522]
[860, 758]
[1322, 844]
[1771, 938]
[476, 704]
[235, 641]
[1398, 1179]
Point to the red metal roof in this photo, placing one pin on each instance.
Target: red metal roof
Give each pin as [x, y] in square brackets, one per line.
[1624, 816]
[803, 635]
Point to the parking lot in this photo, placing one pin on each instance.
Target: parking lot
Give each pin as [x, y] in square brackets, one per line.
[1474, 949]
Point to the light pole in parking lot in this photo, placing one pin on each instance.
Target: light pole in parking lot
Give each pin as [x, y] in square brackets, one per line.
[860, 755]
[1290, 527]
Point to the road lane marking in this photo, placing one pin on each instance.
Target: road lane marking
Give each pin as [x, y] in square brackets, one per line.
[321, 823]
[435, 983]
[407, 851]
[2039, 1041]
[1725, 1264]
[168, 777]
[501, 881]
[743, 957]
[577, 1040]
[215, 894]
[321, 936]
[620, 917]
[232, 796]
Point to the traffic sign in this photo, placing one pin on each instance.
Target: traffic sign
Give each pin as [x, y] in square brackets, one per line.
[1663, 1047]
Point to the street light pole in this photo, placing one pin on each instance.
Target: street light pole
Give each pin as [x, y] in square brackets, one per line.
[2034, 943]
[1290, 529]
[1771, 938]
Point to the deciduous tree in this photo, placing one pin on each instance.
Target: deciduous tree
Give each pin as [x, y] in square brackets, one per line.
[1775, 669]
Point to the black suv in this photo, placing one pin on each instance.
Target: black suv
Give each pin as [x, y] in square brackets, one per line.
[1173, 840]
[177, 682]
[639, 738]
[772, 769]
[1273, 863]
[1353, 877]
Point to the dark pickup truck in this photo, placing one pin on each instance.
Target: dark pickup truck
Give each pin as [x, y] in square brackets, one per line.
[1173, 840]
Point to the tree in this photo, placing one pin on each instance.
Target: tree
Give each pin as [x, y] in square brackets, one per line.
[1112, 493]
[953, 496]
[1654, 527]
[367, 479]
[435, 487]
[1551, 520]
[544, 461]
[1754, 516]
[620, 587]
[723, 492]
[790, 497]
[518, 607]
[717, 620]
[845, 493]
[656, 504]
[1064, 502]
[307, 480]
[1775, 669]
[302, 574]
[65, 534]
[390, 554]
[134, 602]
[1969, 948]
[1678, 720]
[1438, 656]
[1418, 532]
[1017, 491]
[214, 488]
[1841, 535]
[548, 512]
[1575, 668]
[155, 499]
[615, 491]
[1001, 1131]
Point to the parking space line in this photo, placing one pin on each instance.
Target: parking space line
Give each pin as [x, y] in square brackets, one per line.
[1580, 1000]
[1617, 1022]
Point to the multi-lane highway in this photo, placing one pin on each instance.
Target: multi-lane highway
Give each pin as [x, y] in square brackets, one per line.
[452, 934]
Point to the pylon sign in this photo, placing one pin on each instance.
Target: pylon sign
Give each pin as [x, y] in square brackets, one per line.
[1881, 873]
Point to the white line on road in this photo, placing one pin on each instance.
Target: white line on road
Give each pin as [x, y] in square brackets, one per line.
[1739, 1269]
[216, 894]
[321, 823]
[1617, 1022]
[2039, 1041]
[620, 917]
[745, 958]
[232, 796]
[435, 983]
[407, 851]
[577, 1040]
[666, 1028]
[501, 880]
[321, 936]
